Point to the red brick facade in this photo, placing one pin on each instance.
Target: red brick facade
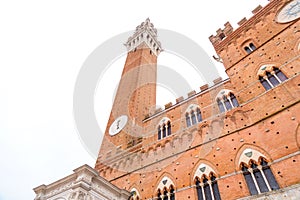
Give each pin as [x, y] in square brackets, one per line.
[264, 124]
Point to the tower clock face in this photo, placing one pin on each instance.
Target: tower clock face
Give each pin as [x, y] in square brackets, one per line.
[289, 12]
[118, 125]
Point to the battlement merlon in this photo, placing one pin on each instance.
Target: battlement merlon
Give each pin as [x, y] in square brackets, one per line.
[221, 34]
[181, 99]
[146, 33]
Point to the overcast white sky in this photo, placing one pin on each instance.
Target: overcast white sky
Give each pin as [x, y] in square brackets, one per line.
[43, 45]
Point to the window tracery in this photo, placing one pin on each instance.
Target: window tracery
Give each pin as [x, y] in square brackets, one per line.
[226, 100]
[270, 76]
[164, 128]
[193, 115]
[206, 183]
[257, 173]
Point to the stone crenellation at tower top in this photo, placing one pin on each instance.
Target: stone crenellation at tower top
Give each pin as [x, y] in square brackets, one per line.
[144, 33]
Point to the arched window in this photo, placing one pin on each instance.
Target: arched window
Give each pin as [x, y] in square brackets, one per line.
[207, 186]
[249, 48]
[226, 100]
[193, 115]
[270, 76]
[164, 128]
[257, 174]
[166, 189]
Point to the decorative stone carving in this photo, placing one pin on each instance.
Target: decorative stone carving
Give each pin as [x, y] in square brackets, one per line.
[83, 184]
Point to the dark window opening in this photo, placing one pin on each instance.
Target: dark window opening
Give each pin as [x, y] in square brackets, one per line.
[188, 120]
[234, 100]
[265, 83]
[269, 175]
[169, 128]
[249, 181]
[159, 132]
[272, 79]
[159, 195]
[165, 195]
[172, 193]
[221, 106]
[207, 192]
[280, 75]
[227, 103]
[194, 121]
[199, 116]
[252, 47]
[248, 50]
[259, 178]
[215, 187]
[164, 131]
[199, 190]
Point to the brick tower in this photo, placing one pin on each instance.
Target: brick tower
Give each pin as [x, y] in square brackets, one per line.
[136, 94]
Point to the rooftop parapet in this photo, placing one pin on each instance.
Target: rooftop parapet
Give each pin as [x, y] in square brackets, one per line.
[221, 33]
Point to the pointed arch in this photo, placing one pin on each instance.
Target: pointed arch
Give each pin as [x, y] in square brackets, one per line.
[255, 148]
[205, 179]
[203, 170]
[193, 115]
[257, 172]
[165, 182]
[270, 76]
[226, 100]
[166, 188]
[164, 128]
[135, 195]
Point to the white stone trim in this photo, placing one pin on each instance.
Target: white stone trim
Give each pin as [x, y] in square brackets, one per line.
[144, 33]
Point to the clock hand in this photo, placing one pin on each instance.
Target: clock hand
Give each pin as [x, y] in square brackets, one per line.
[118, 123]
